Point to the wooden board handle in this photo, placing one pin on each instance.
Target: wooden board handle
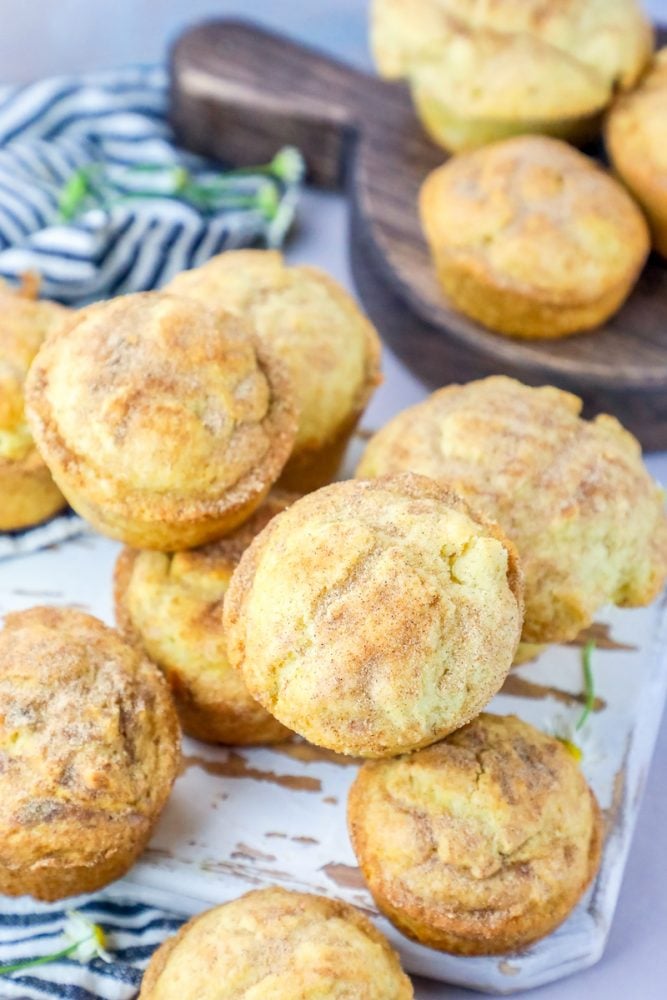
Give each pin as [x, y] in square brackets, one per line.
[239, 93]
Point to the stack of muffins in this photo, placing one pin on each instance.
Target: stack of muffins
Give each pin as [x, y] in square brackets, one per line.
[529, 237]
[376, 617]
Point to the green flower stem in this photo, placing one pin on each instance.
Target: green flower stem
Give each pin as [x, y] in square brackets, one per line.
[589, 686]
[5, 970]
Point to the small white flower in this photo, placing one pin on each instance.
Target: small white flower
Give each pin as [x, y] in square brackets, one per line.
[88, 937]
[581, 742]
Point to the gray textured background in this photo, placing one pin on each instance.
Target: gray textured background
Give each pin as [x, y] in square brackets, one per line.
[39, 37]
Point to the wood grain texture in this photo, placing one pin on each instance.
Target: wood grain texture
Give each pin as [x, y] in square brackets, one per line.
[239, 93]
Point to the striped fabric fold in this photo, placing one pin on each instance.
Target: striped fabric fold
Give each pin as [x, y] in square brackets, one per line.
[28, 931]
[104, 138]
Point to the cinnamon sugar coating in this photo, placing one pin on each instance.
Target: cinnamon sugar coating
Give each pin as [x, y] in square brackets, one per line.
[636, 140]
[375, 617]
[331, 350]
[28, 492]
[532, 238]
[89, 749]
[573, 495]
[170, 606]
[164, 423]
[482, 71]
[480, 844]
[276, 945]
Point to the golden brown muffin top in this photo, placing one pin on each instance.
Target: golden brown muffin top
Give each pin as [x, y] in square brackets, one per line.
[608, 41]
[276, 945]
[533, 214]
[573, 495]
[636, 129]
[331, 350]
[24, 323]
[160, 403]
[475, 832]
[373, 617]
[88, 735]
[171, 605]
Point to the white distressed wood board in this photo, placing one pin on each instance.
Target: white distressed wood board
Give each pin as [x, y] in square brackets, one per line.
[243, 818]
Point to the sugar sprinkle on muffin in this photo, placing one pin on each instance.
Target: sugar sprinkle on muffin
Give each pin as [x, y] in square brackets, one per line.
[480, 844]
[89, 749]
[531, 238]
[276, 944]
[375, 617]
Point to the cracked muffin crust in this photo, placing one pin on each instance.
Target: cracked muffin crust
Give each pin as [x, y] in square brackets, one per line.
[532, 238]
[484, 71]
[272, 944]
[480, 844]
[636, 140]
[164, 423]
[28, 492]
[89, 750]
[317, 330]
[375, 617]
[169, 605]
[573, 495]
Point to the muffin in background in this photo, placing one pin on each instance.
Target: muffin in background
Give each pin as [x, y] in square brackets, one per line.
[310, 322]
[573, 495]
[481, 844]
[89, 744]
[483, 72]
[164, 423]
[636, 140]
[28, 494]
[531, 238]
[375, 617]
[169, 605]
[277, 945]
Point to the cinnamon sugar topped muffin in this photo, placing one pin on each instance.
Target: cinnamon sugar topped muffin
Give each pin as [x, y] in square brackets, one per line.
[276, 945]
[532, 238]
[170, 606]
[375, 617]
[28, 492]
[480, 844]
[89, 749]
[484, 71]
[164, 423]
[310, 322]
[573, 495]
[636, 139]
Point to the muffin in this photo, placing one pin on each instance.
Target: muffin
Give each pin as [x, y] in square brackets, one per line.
[89, 750]
[28, 492]
[532, 238]
[636, 139]
[163, 422]
[276, 945]
[483, 72]
[481, 844]
[375, 617]
[329, 347]
[170, 607]
[573, 495]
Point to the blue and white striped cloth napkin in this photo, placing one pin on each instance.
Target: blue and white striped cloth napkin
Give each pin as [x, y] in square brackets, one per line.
[132, 931]
[95, 197]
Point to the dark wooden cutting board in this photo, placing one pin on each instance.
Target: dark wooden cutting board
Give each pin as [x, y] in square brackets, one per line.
[238, 93]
